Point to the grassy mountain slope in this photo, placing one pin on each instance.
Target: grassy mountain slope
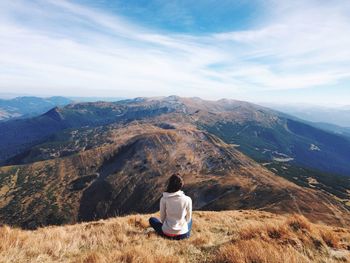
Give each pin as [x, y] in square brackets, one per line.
[262, 134]
[266, 136]
[230, 236]
[20, 135]
[95, 160]
[127, 174]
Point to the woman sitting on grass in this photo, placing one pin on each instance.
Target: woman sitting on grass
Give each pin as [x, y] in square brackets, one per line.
[175, 211]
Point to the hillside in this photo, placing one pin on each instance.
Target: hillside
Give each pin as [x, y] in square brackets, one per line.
[88, 161]
[128, 174]
[231, 236]
[261, 133]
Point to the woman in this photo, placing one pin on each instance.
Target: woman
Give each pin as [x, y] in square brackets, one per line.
[175, 211]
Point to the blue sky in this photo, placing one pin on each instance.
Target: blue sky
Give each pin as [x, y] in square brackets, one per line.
[186, 16]
[255, 50]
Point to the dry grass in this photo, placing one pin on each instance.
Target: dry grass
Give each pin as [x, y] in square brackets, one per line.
[330, 238]
[258, 251]
[235, 236]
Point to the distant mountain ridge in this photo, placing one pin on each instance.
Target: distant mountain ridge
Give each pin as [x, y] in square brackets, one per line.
[333, 128]
[24, 107]
[262, 133]
[339, 116]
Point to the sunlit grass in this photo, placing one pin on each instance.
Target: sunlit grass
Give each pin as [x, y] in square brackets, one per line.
[232, 236]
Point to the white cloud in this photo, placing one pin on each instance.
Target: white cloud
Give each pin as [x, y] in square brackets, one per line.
[66, 47]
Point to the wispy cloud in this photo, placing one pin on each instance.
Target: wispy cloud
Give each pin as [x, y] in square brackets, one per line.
[62, 47]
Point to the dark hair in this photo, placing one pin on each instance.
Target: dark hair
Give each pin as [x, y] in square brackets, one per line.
[175, 183]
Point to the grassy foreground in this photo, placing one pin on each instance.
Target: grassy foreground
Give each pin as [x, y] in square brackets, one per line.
[230, 236]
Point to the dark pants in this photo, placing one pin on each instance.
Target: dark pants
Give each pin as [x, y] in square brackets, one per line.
[157, 226]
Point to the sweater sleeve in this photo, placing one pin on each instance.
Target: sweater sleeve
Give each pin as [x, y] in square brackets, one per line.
[162, 210]
[189, 210]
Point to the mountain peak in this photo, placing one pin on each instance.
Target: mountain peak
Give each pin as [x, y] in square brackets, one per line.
[55, 114]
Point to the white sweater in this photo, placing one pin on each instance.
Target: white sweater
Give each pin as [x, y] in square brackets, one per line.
[175, 212]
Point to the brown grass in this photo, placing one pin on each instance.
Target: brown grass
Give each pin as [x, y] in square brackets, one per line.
[258, 251]
[330, 238]
[232, 236]
[299, 222]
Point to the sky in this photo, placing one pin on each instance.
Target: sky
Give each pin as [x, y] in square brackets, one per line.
[276, 51]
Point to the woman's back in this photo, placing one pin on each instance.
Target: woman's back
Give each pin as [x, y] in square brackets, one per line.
[175, 212]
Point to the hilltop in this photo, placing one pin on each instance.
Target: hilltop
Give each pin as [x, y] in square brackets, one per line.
[231, 236]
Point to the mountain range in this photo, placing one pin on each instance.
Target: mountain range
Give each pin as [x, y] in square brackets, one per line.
[23, 107]
[87, 161]
[336, 115]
